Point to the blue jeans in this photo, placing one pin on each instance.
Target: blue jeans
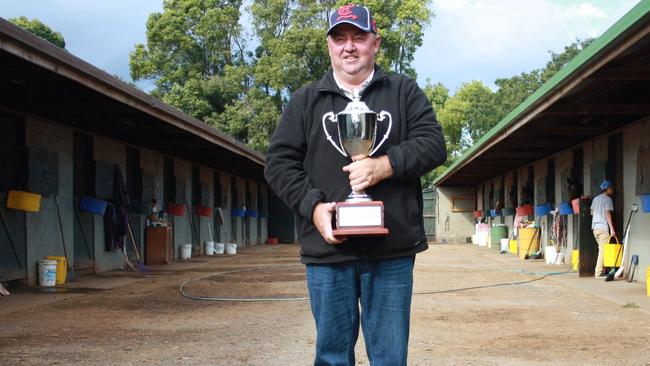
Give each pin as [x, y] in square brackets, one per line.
[383, 288]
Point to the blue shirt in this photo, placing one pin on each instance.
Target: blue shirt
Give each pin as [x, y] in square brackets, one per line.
[599, 207]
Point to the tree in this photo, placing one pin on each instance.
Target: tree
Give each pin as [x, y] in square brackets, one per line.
[199, 57]
[512, 91]
[437, 94]
[401, 26]
[475, 109]
[194, 49]
[37, 27]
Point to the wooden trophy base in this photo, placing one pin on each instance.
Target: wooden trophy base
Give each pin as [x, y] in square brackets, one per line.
[360, 219]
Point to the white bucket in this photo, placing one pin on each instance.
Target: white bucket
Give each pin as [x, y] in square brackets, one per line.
[186, 251]
[551, 255]
[46, 273]
[483, 239]
[219, 248]
[231, 248]
[209, 248]
[504, 244]
[474, 239]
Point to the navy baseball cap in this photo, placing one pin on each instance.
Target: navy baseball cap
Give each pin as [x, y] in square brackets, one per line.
[357, 15]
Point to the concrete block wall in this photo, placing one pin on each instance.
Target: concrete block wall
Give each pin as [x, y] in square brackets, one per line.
[264, 220]
[43, 233]
[226, 207]
[113, 152]
[182, 233]
[206, 176]
[634, 138]
[239, 222]
[453, 227]
[254, 240]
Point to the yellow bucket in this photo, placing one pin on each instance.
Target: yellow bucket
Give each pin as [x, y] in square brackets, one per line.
[575, 259]
[529, 239]
[513, 247]
[613, 254]
[24, 201]
[61, 268]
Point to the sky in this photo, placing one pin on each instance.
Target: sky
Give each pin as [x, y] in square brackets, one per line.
[467, 40]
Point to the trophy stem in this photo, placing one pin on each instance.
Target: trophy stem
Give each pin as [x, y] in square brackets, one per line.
[362, 196]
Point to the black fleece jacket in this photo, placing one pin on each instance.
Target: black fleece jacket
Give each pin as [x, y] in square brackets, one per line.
[303, 168]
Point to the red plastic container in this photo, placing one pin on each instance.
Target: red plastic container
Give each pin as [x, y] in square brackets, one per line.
[271, 240]
[576, 204]
[204, 211]
[175, 209]
[524, 210]
[478, 214]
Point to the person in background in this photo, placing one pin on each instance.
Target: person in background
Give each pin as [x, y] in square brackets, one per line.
[602, 222]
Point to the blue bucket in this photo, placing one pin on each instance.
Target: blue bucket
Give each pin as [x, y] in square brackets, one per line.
[566, 208]
[543, 209]
[92, 205]
[251, 213]
[645, 202]
[238, 212]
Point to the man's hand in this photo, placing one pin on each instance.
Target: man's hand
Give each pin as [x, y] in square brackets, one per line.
[322, 219]
[367, 172]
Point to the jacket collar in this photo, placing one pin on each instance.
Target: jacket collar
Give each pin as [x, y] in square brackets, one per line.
[328, 85]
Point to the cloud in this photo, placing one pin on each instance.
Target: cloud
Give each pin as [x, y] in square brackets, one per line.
[586, 10]
[487, 39]
[100, 32]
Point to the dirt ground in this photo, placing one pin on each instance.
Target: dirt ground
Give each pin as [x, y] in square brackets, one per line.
[144, 319]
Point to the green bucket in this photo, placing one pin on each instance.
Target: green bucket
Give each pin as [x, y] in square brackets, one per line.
[496, 234]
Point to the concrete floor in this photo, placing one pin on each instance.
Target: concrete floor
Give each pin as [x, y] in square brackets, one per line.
[127, 318]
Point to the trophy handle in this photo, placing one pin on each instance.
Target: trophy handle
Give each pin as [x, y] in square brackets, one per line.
[382, 116]
[332, 118]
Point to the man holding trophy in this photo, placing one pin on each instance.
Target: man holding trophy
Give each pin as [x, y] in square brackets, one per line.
[358, 129]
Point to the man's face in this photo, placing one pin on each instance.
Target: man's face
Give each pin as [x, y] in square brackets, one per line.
[610, 191]
[352, 51]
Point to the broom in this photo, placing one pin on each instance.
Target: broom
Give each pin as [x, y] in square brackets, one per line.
[138, 263]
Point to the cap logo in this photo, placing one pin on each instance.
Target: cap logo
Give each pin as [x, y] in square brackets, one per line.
[345, 12]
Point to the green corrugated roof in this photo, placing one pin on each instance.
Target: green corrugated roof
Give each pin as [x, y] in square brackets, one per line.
[582, 59]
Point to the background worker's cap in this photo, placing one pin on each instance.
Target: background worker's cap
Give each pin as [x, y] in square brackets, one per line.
[606, 184]
[357, 15]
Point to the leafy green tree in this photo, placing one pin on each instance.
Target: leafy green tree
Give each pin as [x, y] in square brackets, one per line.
[475, 109]
[37, 27]
[199, 57]
[437, 94]
[401, 26]
[193, 50]
[559, 60]
[514, 90]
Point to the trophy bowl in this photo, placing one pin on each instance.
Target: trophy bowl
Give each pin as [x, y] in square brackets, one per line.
[359, 215]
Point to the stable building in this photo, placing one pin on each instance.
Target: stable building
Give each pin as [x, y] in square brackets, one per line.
[66, 127]
[588, 123]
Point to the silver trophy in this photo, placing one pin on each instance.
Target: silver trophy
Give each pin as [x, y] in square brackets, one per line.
[357, 129]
